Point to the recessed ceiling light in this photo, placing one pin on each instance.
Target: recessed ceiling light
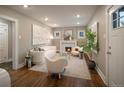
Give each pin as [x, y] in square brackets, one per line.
[46, 19]
[25, 6]
[78, 23]
[77, 15]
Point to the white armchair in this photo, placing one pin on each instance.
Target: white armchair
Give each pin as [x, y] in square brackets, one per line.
[55, 64]
[5, 80]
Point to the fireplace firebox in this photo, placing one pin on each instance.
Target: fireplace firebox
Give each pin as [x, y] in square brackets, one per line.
[68, 49]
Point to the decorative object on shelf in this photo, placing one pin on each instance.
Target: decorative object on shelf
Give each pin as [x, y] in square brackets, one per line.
[57, 34]
[81, 34]
[67, 35]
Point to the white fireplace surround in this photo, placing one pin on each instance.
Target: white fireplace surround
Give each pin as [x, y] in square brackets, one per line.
[64, 43]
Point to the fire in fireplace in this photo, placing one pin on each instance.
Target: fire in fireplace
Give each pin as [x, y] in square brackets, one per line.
[68, 49]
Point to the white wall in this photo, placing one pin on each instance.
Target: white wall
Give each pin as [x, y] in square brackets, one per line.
[100, 17]
[24, 28]
[74, 33]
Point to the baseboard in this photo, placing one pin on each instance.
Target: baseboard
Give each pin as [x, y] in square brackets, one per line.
[112, 84]
[101, 74]
[21, 65]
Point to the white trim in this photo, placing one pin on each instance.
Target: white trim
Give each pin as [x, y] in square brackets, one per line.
[15, 45]
[112, 84]
[15, 40]
[21, 65]
[107, 44]
[101, 74]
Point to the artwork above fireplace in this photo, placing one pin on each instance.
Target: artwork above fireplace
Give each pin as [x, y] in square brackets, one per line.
[68, 35]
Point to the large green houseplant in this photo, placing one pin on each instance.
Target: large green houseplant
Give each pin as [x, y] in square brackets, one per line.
[90, 43]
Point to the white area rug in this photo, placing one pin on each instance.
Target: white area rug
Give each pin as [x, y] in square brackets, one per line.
[76, 68]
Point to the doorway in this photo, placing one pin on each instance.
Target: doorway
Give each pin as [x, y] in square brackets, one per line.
[5, 44]
[115, 45]
[14, 43]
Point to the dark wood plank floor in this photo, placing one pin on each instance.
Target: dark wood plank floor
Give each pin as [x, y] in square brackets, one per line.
[27, 78]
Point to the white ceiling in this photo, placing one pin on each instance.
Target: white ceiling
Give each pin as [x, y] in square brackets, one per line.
[62, 15]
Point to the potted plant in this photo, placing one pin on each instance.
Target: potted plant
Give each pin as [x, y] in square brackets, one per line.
[88, 47]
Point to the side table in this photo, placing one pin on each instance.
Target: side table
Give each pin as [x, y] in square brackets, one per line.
[81, 53]
[28, 60]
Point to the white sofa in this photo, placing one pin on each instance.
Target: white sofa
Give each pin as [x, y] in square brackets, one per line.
[38, 56]
[55, 63]
[48, 48]
[4, 78]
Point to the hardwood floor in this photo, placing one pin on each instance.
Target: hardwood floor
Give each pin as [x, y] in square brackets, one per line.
[27, 78]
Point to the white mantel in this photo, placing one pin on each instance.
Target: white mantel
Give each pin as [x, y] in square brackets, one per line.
[67, 43]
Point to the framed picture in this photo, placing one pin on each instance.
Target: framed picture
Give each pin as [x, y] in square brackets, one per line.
[67, 34]
[38, 35]
[81, 34]
[56, 34]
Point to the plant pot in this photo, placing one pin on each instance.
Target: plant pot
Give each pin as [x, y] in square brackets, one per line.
[91, 64]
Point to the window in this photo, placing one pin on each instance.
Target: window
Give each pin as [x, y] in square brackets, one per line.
[121, 12]
[114, 15]
[121, 22]
[118, 18]
[115, 24]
